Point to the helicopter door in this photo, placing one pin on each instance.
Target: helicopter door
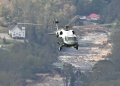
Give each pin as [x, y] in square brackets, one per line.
[66, 38]
[60, 39]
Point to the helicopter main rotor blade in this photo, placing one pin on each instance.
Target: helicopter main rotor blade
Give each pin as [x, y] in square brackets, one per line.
[93, 25]
[73, 20]
[29, 23]
[50, 34]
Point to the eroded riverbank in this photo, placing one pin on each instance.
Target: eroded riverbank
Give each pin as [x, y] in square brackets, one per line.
[93, 47]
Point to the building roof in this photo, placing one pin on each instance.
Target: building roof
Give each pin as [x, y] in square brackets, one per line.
[11, 27]
[93, 16]
[58, 64]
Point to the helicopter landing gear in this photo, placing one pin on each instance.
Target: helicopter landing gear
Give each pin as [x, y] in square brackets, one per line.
[60, 47]
[76, 47]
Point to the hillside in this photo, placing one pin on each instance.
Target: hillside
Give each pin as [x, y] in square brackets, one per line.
[2, 1]
[23, 60]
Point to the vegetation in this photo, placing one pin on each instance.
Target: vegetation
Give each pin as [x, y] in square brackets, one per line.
[24, 60]
[3, 29]
[68, 73]
[107, 72]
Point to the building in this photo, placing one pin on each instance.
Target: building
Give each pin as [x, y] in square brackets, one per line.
[0, 47]
[57, 68]
[93, 17]
[58, 65]
[83, 17]
[16, 31]
[90, 17]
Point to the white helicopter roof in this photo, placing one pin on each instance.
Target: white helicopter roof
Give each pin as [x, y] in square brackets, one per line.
[69, 33]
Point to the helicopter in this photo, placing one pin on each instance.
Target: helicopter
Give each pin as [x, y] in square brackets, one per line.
[66, 35]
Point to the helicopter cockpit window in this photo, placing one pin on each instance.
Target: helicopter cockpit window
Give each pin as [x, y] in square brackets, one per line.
[61, 32]
[70, 38]
[66, 38]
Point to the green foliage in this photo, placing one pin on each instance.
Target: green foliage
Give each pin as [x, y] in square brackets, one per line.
[117, 26]
[16, 47]
[97, 6]
[4, 11]
[113, 10]
[102, 68]
[83, 7]
[115, 37]
[107, 73]
[10, 79]
[5, 41]
[10, 66]
[26, 59]
[108, 19]
[72, 81]
[3, 30]
[68, 73]
[109, 83]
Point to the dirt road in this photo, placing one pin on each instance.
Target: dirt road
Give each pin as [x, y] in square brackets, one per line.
[6, 36]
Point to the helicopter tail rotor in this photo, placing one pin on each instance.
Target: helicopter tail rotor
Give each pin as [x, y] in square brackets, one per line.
[55, 21]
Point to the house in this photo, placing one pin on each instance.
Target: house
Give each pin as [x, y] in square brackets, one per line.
[58, 65]
[16, 31]
[57, 68]
[90, 17]
[93, 17]
[83, 17]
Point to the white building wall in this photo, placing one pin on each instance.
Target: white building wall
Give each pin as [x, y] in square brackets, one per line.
[23, 32]
[10, 32]
[17, 32]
